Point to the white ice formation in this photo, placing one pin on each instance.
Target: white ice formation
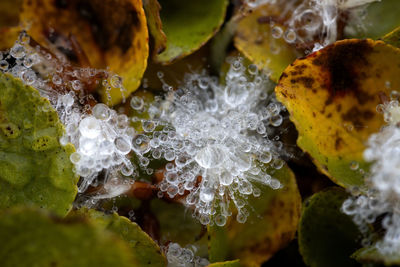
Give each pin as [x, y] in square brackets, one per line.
[221, 138]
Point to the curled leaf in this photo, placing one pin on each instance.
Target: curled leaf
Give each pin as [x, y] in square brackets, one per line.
[332, 96]
[112, 34]
[188, 25]
[35, 168]
[152, 9]
[327, 237]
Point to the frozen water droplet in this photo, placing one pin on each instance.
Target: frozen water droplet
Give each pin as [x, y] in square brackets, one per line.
[90, 127]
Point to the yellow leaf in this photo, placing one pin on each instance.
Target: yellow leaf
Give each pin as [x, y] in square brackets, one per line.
[332, 96]
[111, 33]
[254, 39]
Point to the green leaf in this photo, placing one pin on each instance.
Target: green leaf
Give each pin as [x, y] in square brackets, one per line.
[145, 251]
[181, 227]
[327, 237]
[218, 243]
[35, 168]
[234, 263]
[376, 20]
[189, 25]
[30, 237]
[271, 225]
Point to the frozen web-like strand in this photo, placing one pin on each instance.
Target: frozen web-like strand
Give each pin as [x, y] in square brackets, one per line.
[382, 196]
[310, 19]
[101, 137]
[221, 140]
[183, 257]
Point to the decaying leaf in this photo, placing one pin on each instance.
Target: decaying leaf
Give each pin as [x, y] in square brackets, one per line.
[112, 34]
[152, 9]
[271, 225]
[254, 38]
[189, 25]
[32, 238]
[29, 133]
[327, 237]
[144, 250]
[332, 96]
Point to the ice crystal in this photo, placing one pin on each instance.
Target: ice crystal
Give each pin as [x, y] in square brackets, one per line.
[221, 139]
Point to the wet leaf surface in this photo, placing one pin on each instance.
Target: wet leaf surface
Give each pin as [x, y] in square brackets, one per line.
[35, 168]
[33, 238]
[189, 25]
[327, 237]
[111, 33]
[332, 96]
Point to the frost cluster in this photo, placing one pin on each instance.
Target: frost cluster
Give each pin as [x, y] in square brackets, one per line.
[220, 140]
[183, 257]
[381, 198]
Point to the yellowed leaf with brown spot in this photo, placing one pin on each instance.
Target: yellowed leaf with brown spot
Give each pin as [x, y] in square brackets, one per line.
[111, 33]
[332, 95]
[254, 39]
